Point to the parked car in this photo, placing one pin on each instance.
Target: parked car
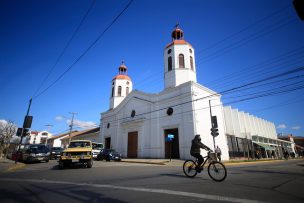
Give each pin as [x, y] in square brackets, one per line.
[56, 152]
[108, 155]
[96, 147]
[13, 155]
[35, 153]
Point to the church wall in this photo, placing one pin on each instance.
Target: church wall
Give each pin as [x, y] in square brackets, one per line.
[245, 125]
[182, 117]
[203, 121]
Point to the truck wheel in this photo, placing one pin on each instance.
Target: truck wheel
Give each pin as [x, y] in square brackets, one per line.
[90, 163]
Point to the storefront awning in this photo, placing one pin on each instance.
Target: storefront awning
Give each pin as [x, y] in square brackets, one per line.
[265, 146]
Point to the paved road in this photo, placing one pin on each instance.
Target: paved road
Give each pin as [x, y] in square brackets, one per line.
[133, 182]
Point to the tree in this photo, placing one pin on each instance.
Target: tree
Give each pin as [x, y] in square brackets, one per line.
[7, 130]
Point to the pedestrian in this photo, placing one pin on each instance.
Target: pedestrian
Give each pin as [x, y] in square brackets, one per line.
[218, 153]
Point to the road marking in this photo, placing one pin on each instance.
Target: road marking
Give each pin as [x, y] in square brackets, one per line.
[160, 191]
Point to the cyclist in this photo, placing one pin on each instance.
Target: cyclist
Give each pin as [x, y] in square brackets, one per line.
[196, 152]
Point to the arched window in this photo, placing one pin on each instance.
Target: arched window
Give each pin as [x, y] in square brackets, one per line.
[127, 91]
[181, 61]
[112, 91]
[169, 63]
[119, 91]
[191, 63]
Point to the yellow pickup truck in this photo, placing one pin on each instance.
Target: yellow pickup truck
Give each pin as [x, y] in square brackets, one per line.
[78, 152]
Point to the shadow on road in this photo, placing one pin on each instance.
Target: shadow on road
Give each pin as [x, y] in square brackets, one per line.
[75, 166]
[34, 193]
[272, 172]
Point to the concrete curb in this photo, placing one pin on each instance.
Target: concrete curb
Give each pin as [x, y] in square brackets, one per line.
[15, 167]
[8, 165]
[146, 162]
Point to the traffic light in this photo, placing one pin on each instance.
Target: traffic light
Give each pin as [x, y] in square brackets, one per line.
[19, 132]
[25, 132]
[214, 132]
[214, 122]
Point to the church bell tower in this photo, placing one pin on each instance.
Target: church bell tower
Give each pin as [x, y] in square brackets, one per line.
[179, 60]
[121, 86]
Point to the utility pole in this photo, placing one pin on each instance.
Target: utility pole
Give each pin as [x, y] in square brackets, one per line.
[71, 125]
[48, 129]
[24, 126]
[211, 123]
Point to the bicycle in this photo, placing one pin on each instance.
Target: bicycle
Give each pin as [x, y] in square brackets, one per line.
[216, 170]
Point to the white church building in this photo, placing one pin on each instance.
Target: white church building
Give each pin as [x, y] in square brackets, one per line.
[137, 124]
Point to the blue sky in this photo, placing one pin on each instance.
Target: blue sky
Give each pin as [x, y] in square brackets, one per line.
[236, 42]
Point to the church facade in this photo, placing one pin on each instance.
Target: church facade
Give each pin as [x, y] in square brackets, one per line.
[138, 124]
[162, 125]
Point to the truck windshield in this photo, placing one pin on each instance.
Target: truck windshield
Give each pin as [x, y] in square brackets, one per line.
[79, 144]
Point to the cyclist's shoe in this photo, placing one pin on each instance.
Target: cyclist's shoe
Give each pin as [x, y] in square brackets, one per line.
[198, 169]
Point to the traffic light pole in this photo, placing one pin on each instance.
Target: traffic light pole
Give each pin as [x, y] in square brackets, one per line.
[28, 111]
[211, 123]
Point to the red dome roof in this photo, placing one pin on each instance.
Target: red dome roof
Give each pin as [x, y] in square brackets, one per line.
[178, 42]
[122, 77]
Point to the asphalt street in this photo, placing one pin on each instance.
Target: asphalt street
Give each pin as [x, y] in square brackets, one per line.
[280, 181]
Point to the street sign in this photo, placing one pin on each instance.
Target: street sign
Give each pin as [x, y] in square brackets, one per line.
[27, 122]
[170, 136]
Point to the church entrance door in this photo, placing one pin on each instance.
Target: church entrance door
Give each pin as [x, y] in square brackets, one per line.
[107, 143]
[132, 144]
[171, 147]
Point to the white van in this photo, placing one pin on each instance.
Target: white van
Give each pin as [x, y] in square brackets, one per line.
[96, 147]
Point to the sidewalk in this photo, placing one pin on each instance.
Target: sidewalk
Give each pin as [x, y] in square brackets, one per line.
[7, 165]
[179, 162]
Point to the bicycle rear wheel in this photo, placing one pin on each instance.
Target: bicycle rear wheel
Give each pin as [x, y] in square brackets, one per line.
[189, 168]
[217, 171]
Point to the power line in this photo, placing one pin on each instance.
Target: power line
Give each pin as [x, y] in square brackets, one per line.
[280, 104]
[87, 50]
[66, 47]
[245, 28]
[228, 90]
[203, 108]
[261, 66]
[244, 41]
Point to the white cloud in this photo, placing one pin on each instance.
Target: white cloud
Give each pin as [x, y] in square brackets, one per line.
[59, 118]
[3, 122]
[281, 126]
[82, 124]
[296, 127]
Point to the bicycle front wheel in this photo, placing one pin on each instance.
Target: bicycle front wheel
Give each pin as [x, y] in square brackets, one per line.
[217, 171]
[189, 168]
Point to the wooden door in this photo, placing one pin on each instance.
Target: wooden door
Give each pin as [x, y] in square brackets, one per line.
[132, 144]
